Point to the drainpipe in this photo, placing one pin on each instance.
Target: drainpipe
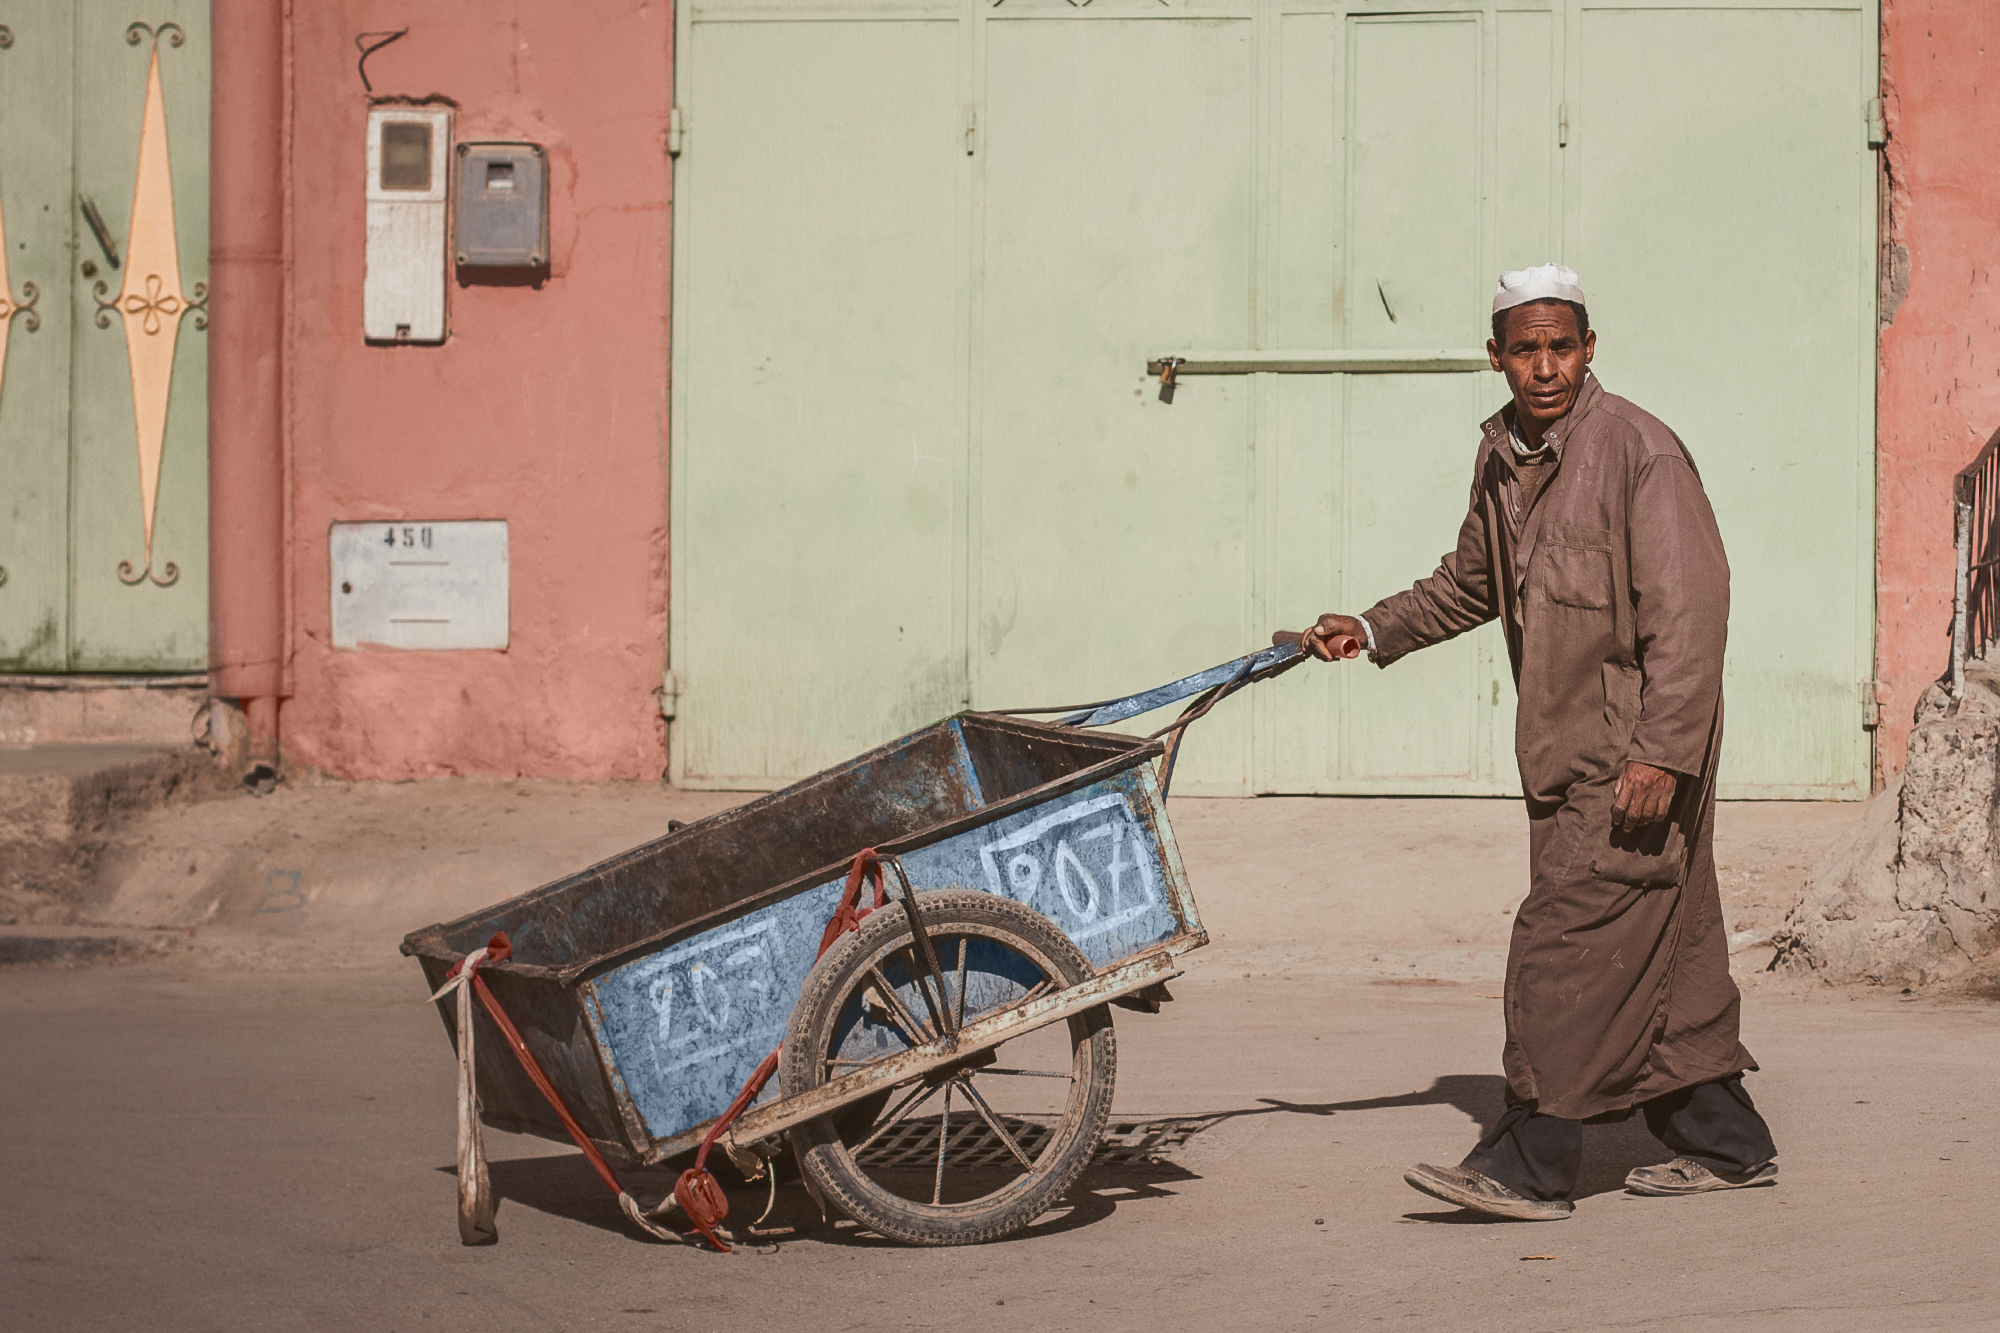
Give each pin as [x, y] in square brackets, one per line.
[246, 456]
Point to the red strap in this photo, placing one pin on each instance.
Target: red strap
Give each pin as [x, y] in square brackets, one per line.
[697, 1190]
[498, 950]
[845, 918]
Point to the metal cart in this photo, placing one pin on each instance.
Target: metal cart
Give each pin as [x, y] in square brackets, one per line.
[1031, 880]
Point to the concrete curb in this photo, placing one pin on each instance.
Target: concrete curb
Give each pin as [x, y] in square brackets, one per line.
[78, 946]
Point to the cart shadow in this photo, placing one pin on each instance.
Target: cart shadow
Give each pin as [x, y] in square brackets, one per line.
[1098, 1193]
[564, 1185]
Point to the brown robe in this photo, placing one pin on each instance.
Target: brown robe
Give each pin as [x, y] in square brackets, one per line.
[1614, 593]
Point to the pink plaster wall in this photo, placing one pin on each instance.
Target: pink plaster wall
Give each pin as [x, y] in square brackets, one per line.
[1939, 386]
[547, 407]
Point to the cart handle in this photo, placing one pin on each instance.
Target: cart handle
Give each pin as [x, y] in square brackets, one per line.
[1214, 685]
[1258, 665]
[1283, 654]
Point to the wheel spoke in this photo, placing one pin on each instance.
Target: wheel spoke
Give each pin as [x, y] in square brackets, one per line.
[1027, 1073]
[992, 1121]
[894, 1003]
[944, 1134]
[918, 1096]
[962, 942]
[930, 986]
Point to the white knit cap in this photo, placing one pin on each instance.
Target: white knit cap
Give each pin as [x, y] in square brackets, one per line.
[1545, 282]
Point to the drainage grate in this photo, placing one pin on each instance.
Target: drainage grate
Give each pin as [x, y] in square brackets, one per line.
[914, 1143]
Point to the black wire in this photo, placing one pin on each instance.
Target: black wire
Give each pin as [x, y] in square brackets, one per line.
[367, 49]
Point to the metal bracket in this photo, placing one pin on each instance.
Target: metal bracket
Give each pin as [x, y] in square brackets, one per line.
[676, 132]
[1878, 128]
[668, 694]
[1871, 706]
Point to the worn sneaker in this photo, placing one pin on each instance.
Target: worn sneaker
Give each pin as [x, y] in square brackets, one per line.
[1682, 1176]
[1483, 1194]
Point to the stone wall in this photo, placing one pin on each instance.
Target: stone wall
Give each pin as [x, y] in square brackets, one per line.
[1912, 895]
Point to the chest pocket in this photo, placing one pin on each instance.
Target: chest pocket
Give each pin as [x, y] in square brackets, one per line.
[1574, 566]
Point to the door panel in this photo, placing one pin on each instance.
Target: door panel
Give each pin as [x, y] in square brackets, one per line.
[1114, 529]
[36, 107]
[818, 439]
[1300, 479]
[139, 379]
[1413, 181]
[1721, 234]
[1413, 202]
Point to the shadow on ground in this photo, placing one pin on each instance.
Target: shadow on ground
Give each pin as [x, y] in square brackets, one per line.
[1610, 1151]
[564, 1185]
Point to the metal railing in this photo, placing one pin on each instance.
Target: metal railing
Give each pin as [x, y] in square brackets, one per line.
[1975, 605]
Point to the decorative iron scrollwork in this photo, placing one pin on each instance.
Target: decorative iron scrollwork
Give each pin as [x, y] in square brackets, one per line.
[9, 307]
[173, 32]
[130, 579]
[153, 306]
[150, 301]
[6, 40]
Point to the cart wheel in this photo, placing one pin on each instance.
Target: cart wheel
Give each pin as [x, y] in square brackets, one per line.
[978, 1149]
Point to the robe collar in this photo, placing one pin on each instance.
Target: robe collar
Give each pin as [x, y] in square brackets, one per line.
[1499, 429]
[1500, 426]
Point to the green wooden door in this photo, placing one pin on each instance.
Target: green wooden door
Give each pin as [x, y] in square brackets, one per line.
[1721, 166]
[103, 407]
[1114, 533]
[923, 255]
[818, 375]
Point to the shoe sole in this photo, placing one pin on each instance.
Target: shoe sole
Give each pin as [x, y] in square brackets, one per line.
[1526, 1210]
[1767, 1176]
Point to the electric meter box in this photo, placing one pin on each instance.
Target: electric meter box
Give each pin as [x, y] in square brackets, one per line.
[503, 206]
[402, 293]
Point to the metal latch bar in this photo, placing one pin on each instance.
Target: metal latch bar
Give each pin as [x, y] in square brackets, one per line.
[1342, 362]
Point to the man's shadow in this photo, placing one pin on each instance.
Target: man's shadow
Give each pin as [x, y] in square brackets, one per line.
[1610, 1150]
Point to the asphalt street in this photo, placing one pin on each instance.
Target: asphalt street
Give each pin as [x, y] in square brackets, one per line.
[204, 1148]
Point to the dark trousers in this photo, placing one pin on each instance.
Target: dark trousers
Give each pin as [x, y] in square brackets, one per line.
[1715, 1124]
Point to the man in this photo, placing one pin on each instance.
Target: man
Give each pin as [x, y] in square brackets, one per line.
[1590, 538]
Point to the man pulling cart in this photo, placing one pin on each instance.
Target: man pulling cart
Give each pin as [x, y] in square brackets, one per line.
[1590, 539]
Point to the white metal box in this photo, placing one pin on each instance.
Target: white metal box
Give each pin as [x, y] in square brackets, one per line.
[419, 585]
[409, 179]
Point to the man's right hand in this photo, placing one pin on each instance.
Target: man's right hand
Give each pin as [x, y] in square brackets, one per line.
[1321, 639]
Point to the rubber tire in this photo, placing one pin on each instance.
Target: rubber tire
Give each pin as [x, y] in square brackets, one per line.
[824, 1158]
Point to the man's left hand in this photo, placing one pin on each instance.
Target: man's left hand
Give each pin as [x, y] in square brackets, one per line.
[1644, 796]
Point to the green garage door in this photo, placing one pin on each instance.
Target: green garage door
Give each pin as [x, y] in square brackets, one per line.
[923, 254]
